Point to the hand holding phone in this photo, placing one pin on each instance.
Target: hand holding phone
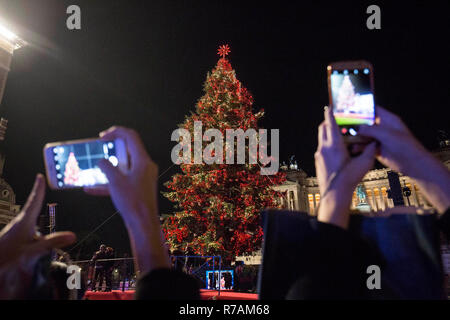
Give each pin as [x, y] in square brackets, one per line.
[397, 146]
[351, 95]
[134, 192]
[74, 164]
[337, 172]
[132, 184]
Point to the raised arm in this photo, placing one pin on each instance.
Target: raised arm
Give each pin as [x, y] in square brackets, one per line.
[134, 194]
[402, 152]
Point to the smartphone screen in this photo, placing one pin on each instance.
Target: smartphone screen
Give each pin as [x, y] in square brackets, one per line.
[352, 98]
[76, 165]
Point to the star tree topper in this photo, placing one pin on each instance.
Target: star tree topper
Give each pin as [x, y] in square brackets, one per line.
[223, 51]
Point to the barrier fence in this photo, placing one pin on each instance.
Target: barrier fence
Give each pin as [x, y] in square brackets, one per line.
[108, 274]
[120, 273]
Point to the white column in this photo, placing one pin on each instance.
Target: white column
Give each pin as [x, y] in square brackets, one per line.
[296, 203]
[383, 206]
[374, 201]
[289, 200]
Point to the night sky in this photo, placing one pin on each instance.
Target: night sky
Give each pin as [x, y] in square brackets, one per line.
[142, 64]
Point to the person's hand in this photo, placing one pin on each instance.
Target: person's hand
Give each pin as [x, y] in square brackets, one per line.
[21, 247]
[397, 145]
[134, 194]
[133, 191]
[402, 152]
[337, 173]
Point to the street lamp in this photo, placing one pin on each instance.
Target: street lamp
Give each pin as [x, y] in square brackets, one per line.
[8, 43]
[406, 192]
[11, 40]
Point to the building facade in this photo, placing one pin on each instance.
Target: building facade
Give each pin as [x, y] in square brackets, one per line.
[8, 207]
[301, 193]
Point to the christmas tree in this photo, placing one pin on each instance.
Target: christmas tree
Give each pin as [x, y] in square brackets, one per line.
[220, 204]
[72, 170]
[346, 96]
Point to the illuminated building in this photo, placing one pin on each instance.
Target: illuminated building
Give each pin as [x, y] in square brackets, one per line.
[8, 43]
[301, 193]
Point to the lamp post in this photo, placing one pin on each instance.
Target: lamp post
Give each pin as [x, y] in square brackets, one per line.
[52, 223]
[51, 217]
[406, 192]
[9, 42]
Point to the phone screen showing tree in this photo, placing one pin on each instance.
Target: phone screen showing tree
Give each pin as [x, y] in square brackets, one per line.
[352, 97]
[76, 165]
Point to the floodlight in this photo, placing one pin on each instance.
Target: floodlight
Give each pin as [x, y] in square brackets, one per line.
[9, 42]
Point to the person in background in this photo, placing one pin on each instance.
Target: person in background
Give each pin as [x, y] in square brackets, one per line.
[134, 193]
[177, 260]
[63, 257]
[238, 271]
[228, 280]
[109, 266]
[100, 268]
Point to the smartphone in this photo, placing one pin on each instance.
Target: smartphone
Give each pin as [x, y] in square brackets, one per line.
[351, 95]
[74, 164]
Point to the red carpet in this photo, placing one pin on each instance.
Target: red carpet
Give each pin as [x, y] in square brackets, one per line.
[227, 295]
[205, 294]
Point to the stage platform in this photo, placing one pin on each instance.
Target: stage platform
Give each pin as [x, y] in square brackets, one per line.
[205, 294]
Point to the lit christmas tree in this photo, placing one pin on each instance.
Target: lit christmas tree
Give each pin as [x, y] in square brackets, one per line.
[346, 98]
[220, 203]
[72, 171]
